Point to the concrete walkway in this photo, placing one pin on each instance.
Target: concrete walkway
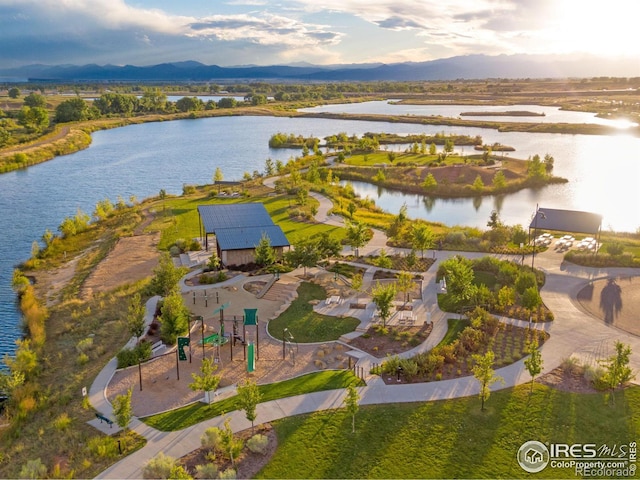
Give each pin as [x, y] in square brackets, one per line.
[573, 333]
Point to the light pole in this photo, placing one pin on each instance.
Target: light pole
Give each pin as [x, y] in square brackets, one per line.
[540, 214]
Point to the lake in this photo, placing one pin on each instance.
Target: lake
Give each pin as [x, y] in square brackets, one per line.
[141, 159]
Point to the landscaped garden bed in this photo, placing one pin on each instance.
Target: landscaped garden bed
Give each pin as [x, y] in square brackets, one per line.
[381, 341]
[453, 357]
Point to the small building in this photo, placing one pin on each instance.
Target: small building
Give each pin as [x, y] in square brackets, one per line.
[238, 229]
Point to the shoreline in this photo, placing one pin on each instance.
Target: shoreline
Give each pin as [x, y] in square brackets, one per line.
[74, 137]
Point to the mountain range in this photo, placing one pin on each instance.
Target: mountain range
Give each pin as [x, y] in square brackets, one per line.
[453, 68]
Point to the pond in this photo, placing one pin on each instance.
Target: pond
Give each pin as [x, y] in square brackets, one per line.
[141, 160]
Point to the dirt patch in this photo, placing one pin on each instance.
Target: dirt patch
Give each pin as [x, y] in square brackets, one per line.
[132, 259]
[567, 381]
[249, 463]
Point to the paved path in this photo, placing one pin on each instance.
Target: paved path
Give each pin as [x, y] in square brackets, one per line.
[573, 332]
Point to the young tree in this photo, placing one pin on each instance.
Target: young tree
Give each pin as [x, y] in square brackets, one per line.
[617, 370]
[383, 260]
[214, 261]
[248, 398]
[122, 409]
[351, 208]
[478, 184]
[206, 382]
[166, 276]
[174, 318]
[382, 296]
[358, 235]
[351, 402]
[459, 275]
[265, 255]
[135, 316]
[429, 183]
[231, 446]
[304, 253]
[421, 237]
[328, 246]
[356, 284]
[499, 180]
[217, 176]
[533, 364]
[405, 284]
[485, 374]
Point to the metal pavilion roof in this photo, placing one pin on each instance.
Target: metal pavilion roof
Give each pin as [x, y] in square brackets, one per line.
[237, 215]
[566, 221]
[240, 226]
[246, 238]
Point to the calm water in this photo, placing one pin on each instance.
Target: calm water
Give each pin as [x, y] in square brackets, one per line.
[142, 159]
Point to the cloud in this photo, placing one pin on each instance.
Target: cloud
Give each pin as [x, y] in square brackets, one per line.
[266, 29]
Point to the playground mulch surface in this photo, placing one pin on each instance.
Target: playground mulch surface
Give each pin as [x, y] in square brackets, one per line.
[165, 380]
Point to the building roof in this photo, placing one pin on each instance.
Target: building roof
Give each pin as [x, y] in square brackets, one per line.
[566, 221]
[237, 215]
[248, 238]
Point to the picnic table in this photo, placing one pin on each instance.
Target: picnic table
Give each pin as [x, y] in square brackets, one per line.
[333, 299]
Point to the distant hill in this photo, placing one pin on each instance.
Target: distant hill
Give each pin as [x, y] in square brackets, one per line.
[463, 67]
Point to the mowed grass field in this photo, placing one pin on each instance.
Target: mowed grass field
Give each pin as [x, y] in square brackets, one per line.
[452, 438]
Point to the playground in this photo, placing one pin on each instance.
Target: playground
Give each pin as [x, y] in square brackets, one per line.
[163, 383]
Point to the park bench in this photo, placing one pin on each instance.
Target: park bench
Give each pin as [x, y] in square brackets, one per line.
[104, 419]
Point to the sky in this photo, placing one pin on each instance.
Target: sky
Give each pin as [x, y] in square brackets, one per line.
[322, 32]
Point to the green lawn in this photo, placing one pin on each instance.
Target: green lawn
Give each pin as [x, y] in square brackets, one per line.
[307, 326]
[449, 439]
[382, 157]
[177, 217]
[184, 417]
[454, 327]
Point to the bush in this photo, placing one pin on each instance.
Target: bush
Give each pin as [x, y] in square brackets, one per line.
[229, 473]
[33, 469]
[131, 356]
[62, 422]
[258, 444]
[211, 438]
[103, 447]
[597, 377]
[207, 470]
[159, 466]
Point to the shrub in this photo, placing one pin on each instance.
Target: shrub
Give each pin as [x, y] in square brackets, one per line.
[409, 368]
[391, 364]
[571, 365]
[82, 359]
[211, 438]
[207, 470]
[103, 447]
[62, 422]
[229, 473]
[159, 466]
[130, 356]
[84, 345]
[597, 377]
[258, 444]
[33, 469]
